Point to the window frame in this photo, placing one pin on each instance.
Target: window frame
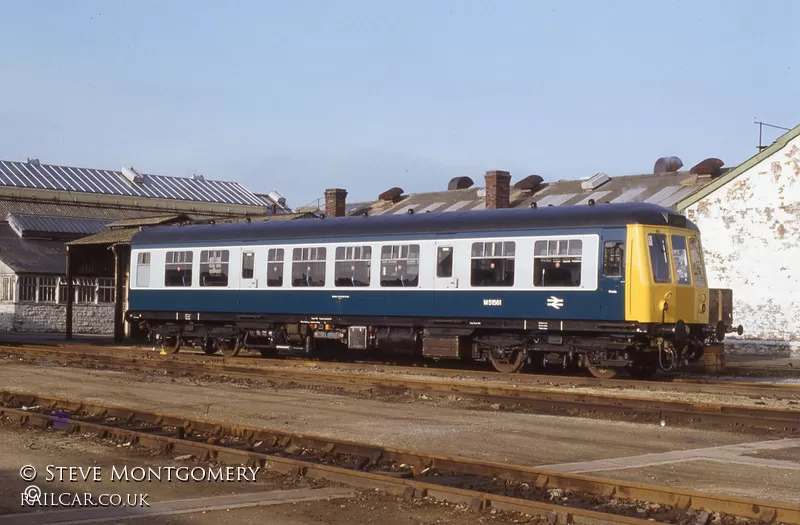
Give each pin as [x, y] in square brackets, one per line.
[486, 250]
[617, 247]
[697, 265]
[392, 260]
[143, 262]
[278, 252]
[557, 257]
[680, 280]
[668, 254]
[449, 257]
[311, 257]
[249, 255]
[188, 264]
[224, 264]
[358, 256]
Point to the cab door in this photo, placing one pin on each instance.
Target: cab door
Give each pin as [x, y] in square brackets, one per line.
[612, 278]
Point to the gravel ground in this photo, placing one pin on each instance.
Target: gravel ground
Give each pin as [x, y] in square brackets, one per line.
[25, 446]
[720, 478]
[524, 439]
[785, 454]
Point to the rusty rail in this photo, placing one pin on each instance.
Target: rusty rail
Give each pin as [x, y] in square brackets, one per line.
[677, 384]
[518, 397]
[307, 455]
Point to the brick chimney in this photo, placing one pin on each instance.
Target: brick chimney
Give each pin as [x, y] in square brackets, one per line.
[334, 202]
[498, 188]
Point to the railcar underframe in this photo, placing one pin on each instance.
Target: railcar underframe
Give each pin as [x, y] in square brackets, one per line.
[602, 348]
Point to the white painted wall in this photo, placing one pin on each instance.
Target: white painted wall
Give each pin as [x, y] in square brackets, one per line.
[751, 238]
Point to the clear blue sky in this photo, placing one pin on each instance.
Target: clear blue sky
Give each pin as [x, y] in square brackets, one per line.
[300, 96]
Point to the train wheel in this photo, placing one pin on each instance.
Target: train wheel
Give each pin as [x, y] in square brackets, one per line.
[510, 364]
[171, 344]
[601, 372]
[230, 346]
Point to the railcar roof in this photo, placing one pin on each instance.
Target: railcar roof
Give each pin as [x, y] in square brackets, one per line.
[599, 215]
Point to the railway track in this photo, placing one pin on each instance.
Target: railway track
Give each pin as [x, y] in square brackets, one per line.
[517, 397]
[443, 370]
[561, 497]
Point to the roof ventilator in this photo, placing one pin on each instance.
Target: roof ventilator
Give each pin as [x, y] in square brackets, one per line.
[667, 165]
[596, 181]
[132, 175]
[459, 183]
[529, 183]
[707, 168]
[392, 194]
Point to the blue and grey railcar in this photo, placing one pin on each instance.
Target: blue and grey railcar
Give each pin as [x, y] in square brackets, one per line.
[606, 287]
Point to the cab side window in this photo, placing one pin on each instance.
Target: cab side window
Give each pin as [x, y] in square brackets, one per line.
[680, 258]
[613, 259]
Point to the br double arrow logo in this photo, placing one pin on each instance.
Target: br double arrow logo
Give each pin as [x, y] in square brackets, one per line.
[555, 302]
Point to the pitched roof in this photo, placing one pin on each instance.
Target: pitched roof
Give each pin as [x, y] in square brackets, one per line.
[44, 227]
[738, 170]
[109, 182]
[31, 255]
[148, 221]
[110, 237]
[664, 189]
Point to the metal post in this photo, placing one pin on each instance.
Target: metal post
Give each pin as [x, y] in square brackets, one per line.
[119, 292]
[70, 293]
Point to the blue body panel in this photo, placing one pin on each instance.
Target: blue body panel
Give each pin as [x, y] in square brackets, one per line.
[522, 304]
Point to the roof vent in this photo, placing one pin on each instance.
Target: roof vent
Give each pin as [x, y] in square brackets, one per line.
[481, 192]
[277, 197]
[708, 167]
[667, 165]
[392, 194]
[459, 183]
[198, 177]
[596, 181]
[529, 183]
[33, 162]
[132, 175]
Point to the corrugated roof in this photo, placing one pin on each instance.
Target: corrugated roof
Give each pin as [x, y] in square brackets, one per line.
[39, 226]
[31, 255]
[665, 189]
[115, 236]
[109, 182]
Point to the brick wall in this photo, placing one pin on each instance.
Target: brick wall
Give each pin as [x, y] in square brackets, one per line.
[498, 188]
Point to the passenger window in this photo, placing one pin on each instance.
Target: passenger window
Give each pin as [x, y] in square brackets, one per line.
[248, 265]
[696, 256]
[659, 257]
[400, 265]
[492, 264]
[680, 258]
[214, 267]
[275, 267]
[613, 259]
[308, 267]
[178, 269]
[557, 263]
[444, 261]
[352, 267]
[142, 270]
